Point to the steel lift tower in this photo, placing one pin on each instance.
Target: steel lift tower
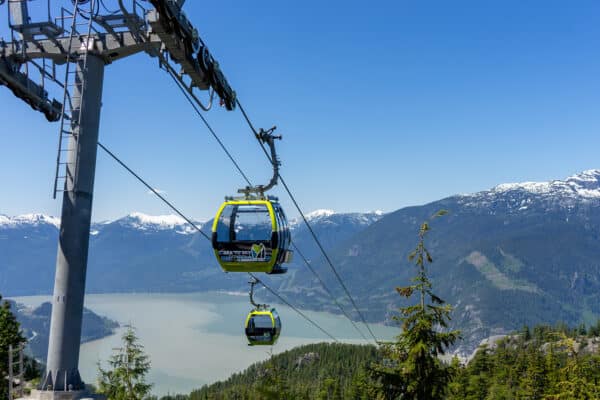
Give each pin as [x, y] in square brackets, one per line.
[80, 44]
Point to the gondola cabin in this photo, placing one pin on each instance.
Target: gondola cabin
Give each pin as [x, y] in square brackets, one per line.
[251, 236]
[263, 327]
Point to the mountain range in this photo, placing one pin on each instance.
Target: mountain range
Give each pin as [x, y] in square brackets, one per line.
[516, 254]
[143, 253]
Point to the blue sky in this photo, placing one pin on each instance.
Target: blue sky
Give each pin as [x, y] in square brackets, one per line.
[382, 105]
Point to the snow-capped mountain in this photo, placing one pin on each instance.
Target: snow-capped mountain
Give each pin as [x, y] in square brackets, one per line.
[170, 222]
[140, 251]
[578, 189]
[144, 222]
[331, 217]
[524, 253]
[583, 185]
[319, 214]
[135, 220]
[331, 228]
[28, 220]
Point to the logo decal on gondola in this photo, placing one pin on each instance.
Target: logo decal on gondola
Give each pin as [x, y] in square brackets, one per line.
[258, 251]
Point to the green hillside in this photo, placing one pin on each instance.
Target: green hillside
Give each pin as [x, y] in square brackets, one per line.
[312, 371]
[542, 363]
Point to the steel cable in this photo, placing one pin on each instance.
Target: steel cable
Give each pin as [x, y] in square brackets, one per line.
[292, 307]
[312, 232]
[189, 221]
[214, 134]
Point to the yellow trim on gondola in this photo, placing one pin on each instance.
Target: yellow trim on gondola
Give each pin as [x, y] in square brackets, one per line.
[256, 312]
[247, 203]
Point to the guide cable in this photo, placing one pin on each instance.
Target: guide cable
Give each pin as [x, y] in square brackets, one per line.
[196, 102]
[139, 178]
[193, 102]
[209, 127]
[195, 226]
[297, 250]
[312, 232]
[274, 293]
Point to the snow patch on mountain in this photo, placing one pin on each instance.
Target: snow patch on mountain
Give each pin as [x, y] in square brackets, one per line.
[582, 187]
[135, 220]
[140, 220]
[168, 221]
[143, 221]
[585, 184]
[319, 214]
[28, 219]
[324, 216]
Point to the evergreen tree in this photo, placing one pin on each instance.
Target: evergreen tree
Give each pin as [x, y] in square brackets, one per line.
[330, 390]
[129, 365]
[577, 376]
[10, 335]
[554, 365]
[533, 383]
[363, 387]
[479, 379]
[457, 389]
[411, 368]
[273, 385]
[499, 392]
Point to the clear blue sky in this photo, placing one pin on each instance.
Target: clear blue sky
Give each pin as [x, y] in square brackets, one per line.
[382, 105]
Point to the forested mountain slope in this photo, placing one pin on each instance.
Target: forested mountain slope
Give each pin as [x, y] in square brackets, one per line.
[514, 255]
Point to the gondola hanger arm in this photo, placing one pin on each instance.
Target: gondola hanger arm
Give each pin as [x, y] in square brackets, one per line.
[253, 282]
[266, 137]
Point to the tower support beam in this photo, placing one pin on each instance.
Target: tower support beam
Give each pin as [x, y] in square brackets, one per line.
[62, 372]
[111, 47]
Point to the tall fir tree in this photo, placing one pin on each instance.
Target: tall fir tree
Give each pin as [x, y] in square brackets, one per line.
[534, 380]
[363, 387]
[412, 368]
[329, 390]
[10, 335]
[126, 377]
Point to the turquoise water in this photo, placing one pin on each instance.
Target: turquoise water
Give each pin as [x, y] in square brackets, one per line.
[198, 338]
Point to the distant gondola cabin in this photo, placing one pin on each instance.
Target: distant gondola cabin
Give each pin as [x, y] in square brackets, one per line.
[263, 327]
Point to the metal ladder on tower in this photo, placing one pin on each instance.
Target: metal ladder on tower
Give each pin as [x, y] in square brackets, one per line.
[74, 90]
